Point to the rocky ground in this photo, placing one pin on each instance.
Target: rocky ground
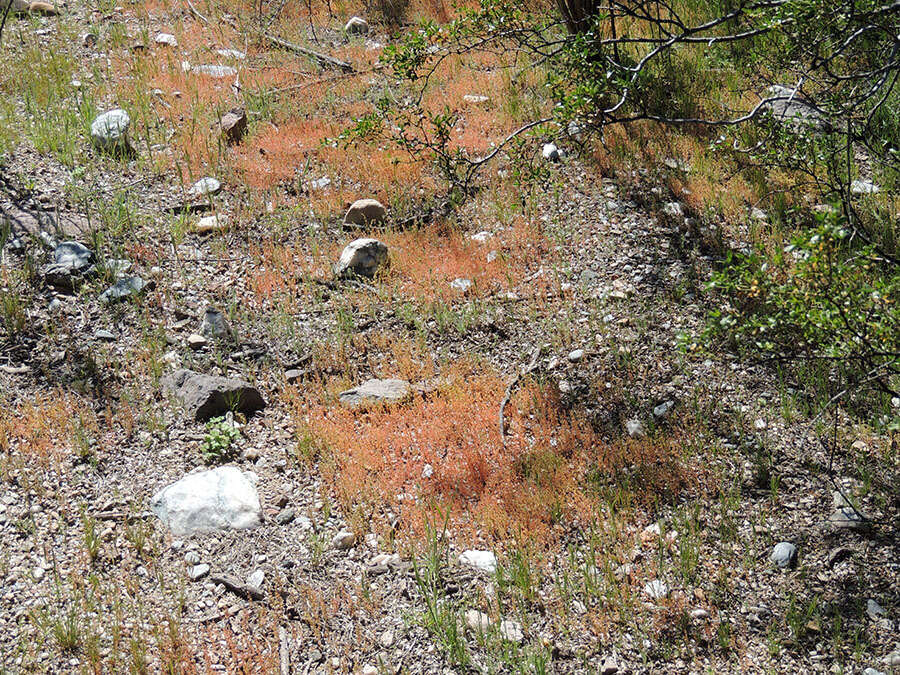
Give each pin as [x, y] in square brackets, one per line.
[139, 536]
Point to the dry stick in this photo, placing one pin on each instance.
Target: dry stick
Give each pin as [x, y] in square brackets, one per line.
[509, 389]
[284, 651]
[197, 12]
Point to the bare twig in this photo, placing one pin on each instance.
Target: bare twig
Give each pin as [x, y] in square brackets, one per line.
[512, 384]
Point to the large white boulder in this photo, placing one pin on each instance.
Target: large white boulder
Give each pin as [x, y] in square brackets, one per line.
[223, 498]
[361, 257]
[109, 131]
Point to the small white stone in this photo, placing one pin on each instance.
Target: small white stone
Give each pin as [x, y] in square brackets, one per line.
[256, 579]
[656, 589]
[576, 355]
[485, 561]
[461, 285]
[550, 152]
[166, 39]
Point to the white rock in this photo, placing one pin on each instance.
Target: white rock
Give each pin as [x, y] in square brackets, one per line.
[673, 210]
[485, 561]
[864, 187]
[197, 572]
[475, 98]
[656, 589]
[576, 355]
[209, 224]
[256, 579]
[477, 622]
[699, 614]
[365, 212]
[481, 237]
[109, 131]
[219, 499]
[166, 39]
[361, 257]
[635, 428]
[213, 70]
[663, 409]
[461, 285]
[231, 54]
[205, 186]
[551, 152]
[356, 26]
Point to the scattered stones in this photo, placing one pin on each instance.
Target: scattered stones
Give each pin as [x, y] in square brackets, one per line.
[485, 561]
[477, 622]
[361, 257]
[551, 153]
[207, 396]
[356, 26]
[223, 498]
[109, 131]
[166, 40]
[364, 212]
[214, 70]
[656, 589]
[234, 125]
[215, 325]
[376, 391]
[197, 572]
[123, 289]
[784, 554]
[343, 540]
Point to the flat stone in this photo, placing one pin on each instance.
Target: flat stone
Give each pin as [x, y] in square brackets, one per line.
[256, 579]
[207, 396]
[209, 224]
[376, 391]
[864, 187]
[123, 289]
[790, 107]
[214, 70]
[234, 54]
[223, 498]
[197, 572]
[485, 561]
[365, 212]
[461, 285]
[874, 610]
[285, 516]
[847, 519]
[576, 355]
[635, 428]
[205, 186]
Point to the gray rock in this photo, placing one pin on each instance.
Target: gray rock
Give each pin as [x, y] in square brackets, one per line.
[256, 579]
[344, 540]
[361, 257]
[105, 335]
[72, 262]
[376, 391]
[223, 498]
[197, 572]
[215, 325]
[790, 107]
[635, 428]
[356, 26]
[365, 212]
[123, 289]
[214, 70]
[207, 396]
[663, 409]
[847, 519]
[109, 131]
[784, 554]
[285, 516]
[192, 557]
[874, 610]
[234, 125]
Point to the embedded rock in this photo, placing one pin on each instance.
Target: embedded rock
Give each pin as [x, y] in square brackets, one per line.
[109, 131]
[206, 396]
[234, 125]
[361, 257]
[365, 212]
[376, 391]
[223, 498]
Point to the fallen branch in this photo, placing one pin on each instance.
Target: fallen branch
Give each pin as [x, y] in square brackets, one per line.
[318, 56]
[512, 384]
